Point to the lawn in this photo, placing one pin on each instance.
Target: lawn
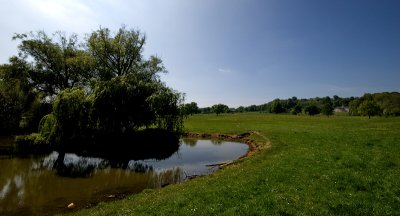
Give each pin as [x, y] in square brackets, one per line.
[305, 165]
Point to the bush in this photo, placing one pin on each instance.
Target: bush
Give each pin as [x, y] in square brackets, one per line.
[32, 143]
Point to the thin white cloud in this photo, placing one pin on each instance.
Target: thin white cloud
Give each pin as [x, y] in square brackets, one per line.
[225, 71]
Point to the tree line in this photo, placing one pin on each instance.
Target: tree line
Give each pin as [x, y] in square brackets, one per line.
[386, 104]
[69, 89]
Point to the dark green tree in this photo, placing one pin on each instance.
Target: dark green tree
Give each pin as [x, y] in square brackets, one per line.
[240, 109]
[122, 104]
[120, 54]
[103, 87]
[167, 104]
[312, 110]
[190, 108]
[353, 107]
[276, 107]
[369, 108]
[10, 112]
[206, 110]
[219, 108]
[71, 111]
[337, 101]
[17, 98]
[296, 110]
[327, 106]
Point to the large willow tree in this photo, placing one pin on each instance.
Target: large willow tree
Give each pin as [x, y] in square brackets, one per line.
[102, 85]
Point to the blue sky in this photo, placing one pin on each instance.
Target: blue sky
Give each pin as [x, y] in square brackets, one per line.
[240, 52]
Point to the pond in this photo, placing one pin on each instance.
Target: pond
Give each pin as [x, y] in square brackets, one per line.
[36, 186]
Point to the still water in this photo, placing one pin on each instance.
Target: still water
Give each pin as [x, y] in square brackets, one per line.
[35, 186]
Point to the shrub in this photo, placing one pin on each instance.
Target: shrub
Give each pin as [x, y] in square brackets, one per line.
[31, 143]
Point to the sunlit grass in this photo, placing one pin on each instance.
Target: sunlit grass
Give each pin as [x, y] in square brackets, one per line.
[316, 165]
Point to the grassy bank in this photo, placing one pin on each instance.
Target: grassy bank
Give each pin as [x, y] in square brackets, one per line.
[316, 165]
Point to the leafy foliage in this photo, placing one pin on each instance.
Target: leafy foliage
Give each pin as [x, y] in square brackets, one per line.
[121, 105]
[167, 105]
[120, 54]
[312, 110]
[47, 127]
[10, 112]
[219, 108]
[327, 106]
[15, 95]
[276, 107]
[376, 104]
[369, 108]
[103, 86]
[71, 110]
[190, 108]
[58, 63]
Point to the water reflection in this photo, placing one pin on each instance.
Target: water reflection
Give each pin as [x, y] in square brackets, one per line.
[46, 185]
[216, 142]
[41, 190]
[72, 165]
[190, 141]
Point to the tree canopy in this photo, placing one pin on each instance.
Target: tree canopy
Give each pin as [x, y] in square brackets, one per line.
[56, 63]
[98, 86]
[120, 54]
[219, 108]
[190, 108]
[327, 106]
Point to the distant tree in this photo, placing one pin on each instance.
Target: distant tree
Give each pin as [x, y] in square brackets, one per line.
[327, 107]
[276, 106]
[389, 102]
[353, 107]
[252, 108]
[240, 109]
[264, 107]
[337, 101]
[205, 110]
[369, 108]
[220, 108]
[190, 108]
[296, 110]
[290, 103]
[346, 101]
[312, 110]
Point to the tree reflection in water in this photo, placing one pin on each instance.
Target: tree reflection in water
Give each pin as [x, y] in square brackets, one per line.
[72, 165]
[45, 185]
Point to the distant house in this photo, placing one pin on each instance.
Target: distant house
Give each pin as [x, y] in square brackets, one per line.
[341, 110]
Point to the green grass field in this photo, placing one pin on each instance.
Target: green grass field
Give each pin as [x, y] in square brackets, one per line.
[316, 166]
